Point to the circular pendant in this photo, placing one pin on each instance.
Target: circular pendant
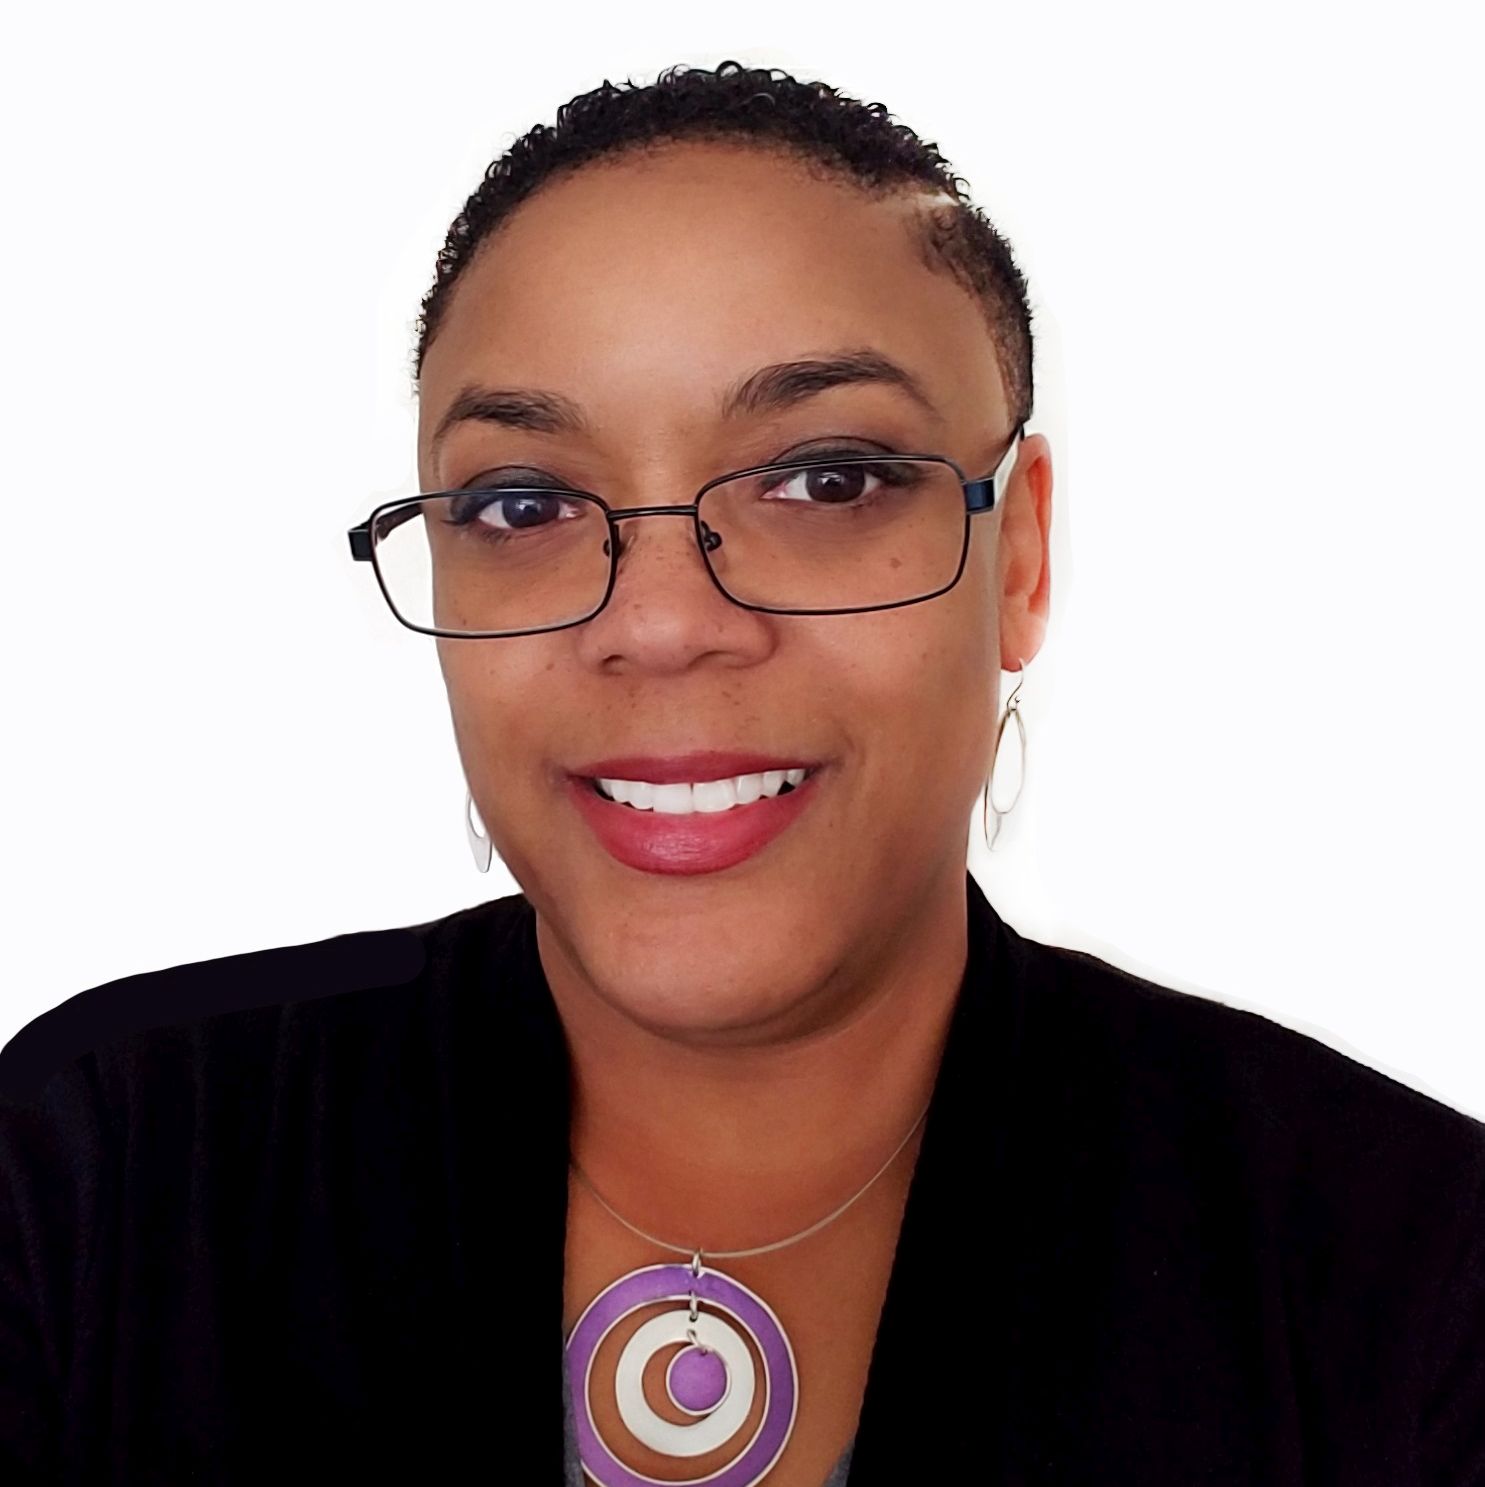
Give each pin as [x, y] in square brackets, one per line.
[713, 1377]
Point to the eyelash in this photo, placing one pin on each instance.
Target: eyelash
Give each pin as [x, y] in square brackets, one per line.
[525, 478]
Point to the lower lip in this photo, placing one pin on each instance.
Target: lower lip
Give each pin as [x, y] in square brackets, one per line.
[703, 842]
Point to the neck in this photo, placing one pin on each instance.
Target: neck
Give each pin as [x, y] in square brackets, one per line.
[671, 1132]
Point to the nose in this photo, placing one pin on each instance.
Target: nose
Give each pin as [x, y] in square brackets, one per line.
[665, 609]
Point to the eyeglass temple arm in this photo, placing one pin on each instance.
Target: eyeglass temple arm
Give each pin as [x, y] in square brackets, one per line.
[360, 536]
[985, 494]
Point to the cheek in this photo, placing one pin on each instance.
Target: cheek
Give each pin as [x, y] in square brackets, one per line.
[489, 687]
[915, 685]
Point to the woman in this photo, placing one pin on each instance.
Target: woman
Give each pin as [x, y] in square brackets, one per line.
[826, 1173]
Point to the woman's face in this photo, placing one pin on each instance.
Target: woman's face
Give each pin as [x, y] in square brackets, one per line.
[643, 291]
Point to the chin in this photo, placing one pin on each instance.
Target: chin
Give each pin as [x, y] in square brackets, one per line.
[725, 1017]
[722, 964]
[701, 991]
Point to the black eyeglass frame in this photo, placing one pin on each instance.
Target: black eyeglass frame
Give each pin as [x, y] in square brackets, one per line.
[979, 496]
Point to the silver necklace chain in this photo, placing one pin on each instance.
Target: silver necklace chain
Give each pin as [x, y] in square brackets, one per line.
[694, 1253]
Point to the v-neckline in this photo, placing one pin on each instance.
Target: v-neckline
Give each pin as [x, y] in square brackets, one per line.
[928, 1358]
[932, 1371]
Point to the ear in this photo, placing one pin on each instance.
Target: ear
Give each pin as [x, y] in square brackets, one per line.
[1023, 554]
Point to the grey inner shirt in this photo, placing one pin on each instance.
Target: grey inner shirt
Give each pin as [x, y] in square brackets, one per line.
[572, 1466]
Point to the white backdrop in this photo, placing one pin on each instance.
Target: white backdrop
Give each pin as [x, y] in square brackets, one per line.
[1253, 237]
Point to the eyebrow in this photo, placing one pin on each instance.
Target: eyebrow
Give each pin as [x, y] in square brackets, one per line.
[768, 390]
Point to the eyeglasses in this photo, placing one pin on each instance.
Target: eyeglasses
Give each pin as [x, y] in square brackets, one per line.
[825, 535]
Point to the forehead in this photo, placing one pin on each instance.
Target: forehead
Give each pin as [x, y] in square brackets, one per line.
[642, 287]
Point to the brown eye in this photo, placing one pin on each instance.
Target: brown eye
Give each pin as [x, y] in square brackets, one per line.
[845, 484]
[520, 510]
[837, 485]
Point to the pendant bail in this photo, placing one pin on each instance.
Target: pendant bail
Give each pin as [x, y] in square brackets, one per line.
[695, 1276]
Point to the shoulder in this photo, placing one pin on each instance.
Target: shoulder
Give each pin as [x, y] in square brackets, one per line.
[1196, 1101]
[1232, 1154]
[232, 1006]
[1169, 1044]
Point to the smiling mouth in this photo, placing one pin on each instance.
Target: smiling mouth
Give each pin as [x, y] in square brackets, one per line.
[704, 797]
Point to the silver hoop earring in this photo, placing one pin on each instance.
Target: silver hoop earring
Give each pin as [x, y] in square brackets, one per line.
[479, 842]
[1012, 711]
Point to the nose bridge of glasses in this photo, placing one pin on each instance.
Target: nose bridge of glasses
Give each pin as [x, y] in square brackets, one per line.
[687, 509]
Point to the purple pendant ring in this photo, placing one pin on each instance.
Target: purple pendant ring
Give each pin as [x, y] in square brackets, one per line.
[713, 1378]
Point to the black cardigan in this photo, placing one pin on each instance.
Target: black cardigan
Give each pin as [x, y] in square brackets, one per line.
[251, 1230]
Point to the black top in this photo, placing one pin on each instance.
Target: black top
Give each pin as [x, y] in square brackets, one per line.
[306, 1223]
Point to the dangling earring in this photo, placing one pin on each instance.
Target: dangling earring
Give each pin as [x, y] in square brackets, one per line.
[1012, 710]
[479, 841]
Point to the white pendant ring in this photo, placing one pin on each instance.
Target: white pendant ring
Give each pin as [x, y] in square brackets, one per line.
[713, 1430]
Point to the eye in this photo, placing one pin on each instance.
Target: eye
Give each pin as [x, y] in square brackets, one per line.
[825, 485]
[855, 479]
[519, 511]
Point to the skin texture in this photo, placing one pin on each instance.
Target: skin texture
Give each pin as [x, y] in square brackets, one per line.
[724, 1028]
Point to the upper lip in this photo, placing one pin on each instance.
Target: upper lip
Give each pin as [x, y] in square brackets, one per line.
[671, 769]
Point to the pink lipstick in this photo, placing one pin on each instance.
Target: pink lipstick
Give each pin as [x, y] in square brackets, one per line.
[658, 841]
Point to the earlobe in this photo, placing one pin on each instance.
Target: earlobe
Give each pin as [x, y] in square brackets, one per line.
[1021, 637]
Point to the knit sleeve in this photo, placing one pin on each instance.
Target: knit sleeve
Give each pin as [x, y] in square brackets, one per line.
[51, 1154]
[1452, 1427]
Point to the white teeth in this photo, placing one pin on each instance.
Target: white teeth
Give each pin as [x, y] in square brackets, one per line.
[713, 795]
[672, 800]
[703, 797]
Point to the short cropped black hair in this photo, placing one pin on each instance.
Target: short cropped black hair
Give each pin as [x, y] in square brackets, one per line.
[769, 110]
